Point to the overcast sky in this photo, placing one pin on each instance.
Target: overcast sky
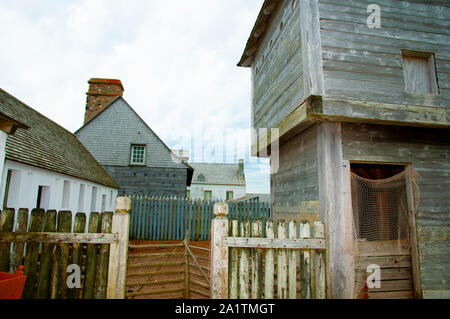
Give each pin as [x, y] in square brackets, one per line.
[176, 59]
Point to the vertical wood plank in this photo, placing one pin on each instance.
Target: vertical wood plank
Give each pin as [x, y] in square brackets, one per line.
[118, 259]
[76, 255]
[58, 287]
[234, 257]
[305, 265]
[91, 258]
[412, 212]
[219, 253]
[18, 248]
[256, 263]
[6, 225]
[32, 253]
[319, 264]
[45, 267]
[281, 264]
[244, 263]
[197, 220]
[269, 264]
[103, 258]
[292, 255]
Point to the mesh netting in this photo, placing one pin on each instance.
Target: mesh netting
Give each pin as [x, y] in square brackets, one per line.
[380, 220]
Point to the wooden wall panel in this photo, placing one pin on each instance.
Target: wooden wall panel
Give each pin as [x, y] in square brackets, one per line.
[428, 151]
[295, 185]
[277, 70]
[365, 64]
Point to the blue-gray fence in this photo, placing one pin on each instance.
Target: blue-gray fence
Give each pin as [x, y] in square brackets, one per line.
[169, 218]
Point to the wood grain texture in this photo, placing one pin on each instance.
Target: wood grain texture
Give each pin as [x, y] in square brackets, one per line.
[45, 267]
[426, 150]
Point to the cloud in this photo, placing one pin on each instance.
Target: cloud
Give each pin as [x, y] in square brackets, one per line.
[176, 59]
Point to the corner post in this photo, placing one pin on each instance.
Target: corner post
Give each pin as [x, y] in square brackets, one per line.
[219, 252]
[119, 251]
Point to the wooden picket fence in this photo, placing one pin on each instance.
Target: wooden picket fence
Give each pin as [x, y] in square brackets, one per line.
[45, 243]
[158, 218]
[288, 261]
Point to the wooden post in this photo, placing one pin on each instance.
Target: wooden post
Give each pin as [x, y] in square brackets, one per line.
[281, 264]
[119, 251]
[17, 252]
[269, 266]
[6, 225]
[244, 262]
[412, 210]
[219, 252]
[319, 264]
[234, 262]
[58, 287]
[103, 258]
[79, 226]
[292, 279]
[32, 253]
[91, 258]
[305, 268]
[45, 267]
[257, 263]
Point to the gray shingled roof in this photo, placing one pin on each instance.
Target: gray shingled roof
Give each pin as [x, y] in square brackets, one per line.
[219, 174]
[48, 145]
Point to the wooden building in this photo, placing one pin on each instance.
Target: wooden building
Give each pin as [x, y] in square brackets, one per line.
[128, 149]
[351, 99]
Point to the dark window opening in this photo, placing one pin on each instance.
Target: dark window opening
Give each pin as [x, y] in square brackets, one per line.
[39, 197]
[8, 182]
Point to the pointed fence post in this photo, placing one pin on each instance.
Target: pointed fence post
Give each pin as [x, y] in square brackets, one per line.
[118, 251]
[219, 252]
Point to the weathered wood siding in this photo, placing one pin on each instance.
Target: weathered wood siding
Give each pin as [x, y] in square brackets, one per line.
[277, 71]
[428, 150]
[365, 64]
[295, 185]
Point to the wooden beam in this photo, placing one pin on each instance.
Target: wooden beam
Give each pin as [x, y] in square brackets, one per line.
[382, 113]
[58, 238]
[332, 208]
[296, 122]
[274, 243]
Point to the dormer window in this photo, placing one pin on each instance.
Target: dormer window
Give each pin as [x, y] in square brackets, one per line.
[201, 178]
[137, 155]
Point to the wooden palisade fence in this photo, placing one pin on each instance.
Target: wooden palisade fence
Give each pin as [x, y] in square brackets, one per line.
[158, 218]
[287, 262]
[45, 243]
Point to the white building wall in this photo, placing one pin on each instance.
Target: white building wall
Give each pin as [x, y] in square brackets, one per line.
[25, 182]
[218, 191]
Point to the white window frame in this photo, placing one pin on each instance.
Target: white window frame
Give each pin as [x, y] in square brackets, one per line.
[144, 158]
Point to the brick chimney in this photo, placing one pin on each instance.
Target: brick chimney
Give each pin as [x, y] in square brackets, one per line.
[101, 92]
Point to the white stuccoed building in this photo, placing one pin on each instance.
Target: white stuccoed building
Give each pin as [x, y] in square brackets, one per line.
[218, 182]
[42, 165]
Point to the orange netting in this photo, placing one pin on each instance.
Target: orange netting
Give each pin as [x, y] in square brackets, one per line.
[380, 219]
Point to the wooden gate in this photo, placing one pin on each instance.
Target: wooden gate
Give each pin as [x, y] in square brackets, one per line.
[288, 262]
[168, 269]
[45, 243]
